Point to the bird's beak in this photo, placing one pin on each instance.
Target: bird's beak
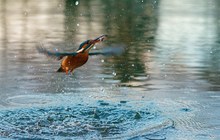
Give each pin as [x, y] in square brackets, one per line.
[97, 40]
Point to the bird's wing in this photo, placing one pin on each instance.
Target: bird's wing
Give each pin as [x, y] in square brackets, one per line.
[110, 51]
[55, 55]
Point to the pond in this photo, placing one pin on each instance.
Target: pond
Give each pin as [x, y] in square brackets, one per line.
[166, 85]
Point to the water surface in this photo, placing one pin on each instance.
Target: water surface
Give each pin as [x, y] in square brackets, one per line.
[165, 86]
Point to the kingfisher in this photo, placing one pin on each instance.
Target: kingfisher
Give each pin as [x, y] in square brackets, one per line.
[73, 60]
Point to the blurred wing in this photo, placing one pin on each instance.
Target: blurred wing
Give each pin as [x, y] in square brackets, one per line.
[54, 55]
[110, 51]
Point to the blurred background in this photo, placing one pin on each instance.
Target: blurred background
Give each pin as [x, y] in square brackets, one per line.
[172, 60]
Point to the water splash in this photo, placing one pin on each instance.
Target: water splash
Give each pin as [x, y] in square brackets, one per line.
[81, 121]
[114, 73]
[77, 3]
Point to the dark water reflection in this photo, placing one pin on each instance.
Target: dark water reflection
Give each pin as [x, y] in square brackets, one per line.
[171, 64]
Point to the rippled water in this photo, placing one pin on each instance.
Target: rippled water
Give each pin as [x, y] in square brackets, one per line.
[165, 86]
[80, 121]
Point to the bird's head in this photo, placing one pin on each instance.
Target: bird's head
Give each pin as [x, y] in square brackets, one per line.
[88, 44]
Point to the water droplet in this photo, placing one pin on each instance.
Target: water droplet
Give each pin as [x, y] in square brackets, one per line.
[114, 73]
[102, 60]
[25, 13]
[77, 3]
[132, 65]
[59, 5]
[102, 89]
[148, 76]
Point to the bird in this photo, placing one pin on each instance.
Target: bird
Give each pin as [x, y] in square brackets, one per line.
[72, 60]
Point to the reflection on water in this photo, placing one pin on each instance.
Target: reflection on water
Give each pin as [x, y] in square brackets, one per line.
[172, 60]
[194, 41]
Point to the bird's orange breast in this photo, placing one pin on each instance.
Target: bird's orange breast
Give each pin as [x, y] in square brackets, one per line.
[72, 62]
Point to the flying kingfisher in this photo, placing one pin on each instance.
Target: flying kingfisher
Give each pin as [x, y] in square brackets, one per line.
[73, 60]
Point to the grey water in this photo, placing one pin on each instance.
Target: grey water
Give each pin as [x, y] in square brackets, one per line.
[165, 86]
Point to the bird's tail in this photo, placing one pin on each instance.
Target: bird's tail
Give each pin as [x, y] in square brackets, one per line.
[60, 70]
